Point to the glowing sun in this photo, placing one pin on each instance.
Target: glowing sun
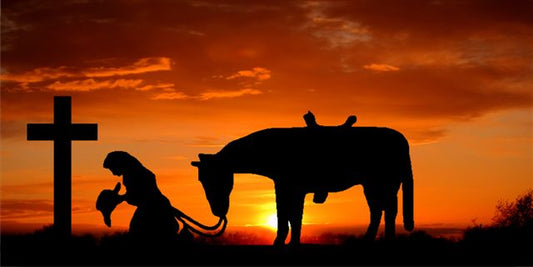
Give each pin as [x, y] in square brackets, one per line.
[272, 221]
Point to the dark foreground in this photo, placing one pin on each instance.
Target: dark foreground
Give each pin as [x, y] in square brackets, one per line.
[418, 249]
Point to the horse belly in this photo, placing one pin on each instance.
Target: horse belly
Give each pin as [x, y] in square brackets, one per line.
[332, 182]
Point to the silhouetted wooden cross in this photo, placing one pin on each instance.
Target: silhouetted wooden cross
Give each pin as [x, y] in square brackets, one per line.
[62, 132]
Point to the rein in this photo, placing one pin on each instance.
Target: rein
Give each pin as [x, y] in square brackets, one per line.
[187, 220]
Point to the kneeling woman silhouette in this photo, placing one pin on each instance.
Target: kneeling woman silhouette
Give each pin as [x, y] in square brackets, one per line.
[154, 218]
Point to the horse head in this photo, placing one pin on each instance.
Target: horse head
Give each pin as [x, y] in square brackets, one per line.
[217, 181]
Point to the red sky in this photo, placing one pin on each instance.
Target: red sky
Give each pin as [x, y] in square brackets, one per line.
[166, 80]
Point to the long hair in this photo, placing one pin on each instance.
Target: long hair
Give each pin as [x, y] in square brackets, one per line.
[123, 160]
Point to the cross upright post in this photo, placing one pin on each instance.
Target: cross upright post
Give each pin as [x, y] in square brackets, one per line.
[62, 132]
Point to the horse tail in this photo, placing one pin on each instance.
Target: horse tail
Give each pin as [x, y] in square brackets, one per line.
[407, 192]
[204, 230]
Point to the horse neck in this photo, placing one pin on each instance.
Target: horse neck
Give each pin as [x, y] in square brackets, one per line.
[240, 163]
[244, 156]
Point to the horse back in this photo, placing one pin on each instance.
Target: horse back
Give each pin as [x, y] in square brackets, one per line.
[318, 151]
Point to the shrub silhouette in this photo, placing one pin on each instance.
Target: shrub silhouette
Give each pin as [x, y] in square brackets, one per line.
[515, 214]
[513, 223]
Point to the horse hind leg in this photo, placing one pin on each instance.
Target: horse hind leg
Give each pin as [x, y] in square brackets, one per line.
[375, 215]
[295, 217]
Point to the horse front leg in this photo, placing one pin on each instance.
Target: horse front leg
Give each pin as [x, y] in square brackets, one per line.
[283, 215]
[375, 219]
[283, 230]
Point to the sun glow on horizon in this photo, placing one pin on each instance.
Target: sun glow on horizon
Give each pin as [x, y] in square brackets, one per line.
[272, 222]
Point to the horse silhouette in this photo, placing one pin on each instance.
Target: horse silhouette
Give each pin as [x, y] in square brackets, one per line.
[305, 160]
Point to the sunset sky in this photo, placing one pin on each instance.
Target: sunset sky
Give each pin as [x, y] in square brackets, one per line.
[166, 80]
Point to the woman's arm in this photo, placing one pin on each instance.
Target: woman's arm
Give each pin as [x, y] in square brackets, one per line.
[139, 187]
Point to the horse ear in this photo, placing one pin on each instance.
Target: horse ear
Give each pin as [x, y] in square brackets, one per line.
[195, 163]
[204, 157]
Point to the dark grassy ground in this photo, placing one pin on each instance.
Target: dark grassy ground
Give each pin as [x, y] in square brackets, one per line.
[478, 247]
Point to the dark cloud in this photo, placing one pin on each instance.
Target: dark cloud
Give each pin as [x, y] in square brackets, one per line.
[435, 18]
[446, 59]
[67, 31]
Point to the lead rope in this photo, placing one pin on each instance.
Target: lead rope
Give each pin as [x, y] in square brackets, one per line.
[183, 218]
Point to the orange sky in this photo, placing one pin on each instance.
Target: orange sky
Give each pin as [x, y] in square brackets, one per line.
[166, 80]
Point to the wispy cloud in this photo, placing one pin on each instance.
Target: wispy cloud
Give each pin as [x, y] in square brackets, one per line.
[164, 86]
[38, 75]
[14, 208]
[259, 73]
[426, 136]
[170, 96]
[335, 30]
[143, 65]
[32, 208]
[339, 32]
[61, 78]
[208, 95]
[381, 67]
[91, 84]
[228, 94]
[205, 141]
